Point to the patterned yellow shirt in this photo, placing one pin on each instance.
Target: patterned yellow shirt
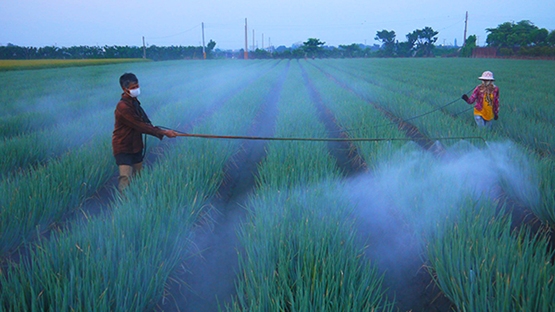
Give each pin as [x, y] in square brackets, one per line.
[487, 103]
[487, 107]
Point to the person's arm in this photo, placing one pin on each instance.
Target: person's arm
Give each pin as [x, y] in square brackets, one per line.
[473, 96]
[132, 119]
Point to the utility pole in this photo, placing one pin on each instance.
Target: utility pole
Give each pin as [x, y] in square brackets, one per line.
[144, 48]
[253, 40]
[262, 41]
[246, 56]
[203, 49]
[465, 25]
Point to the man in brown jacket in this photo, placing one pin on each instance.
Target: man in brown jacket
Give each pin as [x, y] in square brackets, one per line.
[131, 122]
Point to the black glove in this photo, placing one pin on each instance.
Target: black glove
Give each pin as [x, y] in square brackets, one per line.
[495, 117]
[464, 97]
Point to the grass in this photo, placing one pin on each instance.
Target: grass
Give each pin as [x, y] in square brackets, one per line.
[120, 261]
[33, 200]
[301, 254]
[482, 265]
[53, 63]
[299, 248]
[292, 259]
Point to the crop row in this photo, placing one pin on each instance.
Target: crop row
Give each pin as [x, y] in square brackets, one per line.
[415, 96]
[51, 172]
[121, 260]
[481, 264]
[535, 264]
[300, 249]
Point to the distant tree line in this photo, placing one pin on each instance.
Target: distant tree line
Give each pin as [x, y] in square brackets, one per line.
[420, 43]
[13, 52]
[314, 48]
[522, 39]
[509, 39]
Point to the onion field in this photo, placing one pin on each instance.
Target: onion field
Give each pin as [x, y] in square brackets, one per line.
[392, 199]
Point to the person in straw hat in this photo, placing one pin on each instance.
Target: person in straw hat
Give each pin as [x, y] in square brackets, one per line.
[486, 99]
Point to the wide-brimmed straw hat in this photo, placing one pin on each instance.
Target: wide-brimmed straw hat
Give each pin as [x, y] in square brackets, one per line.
[487, 75]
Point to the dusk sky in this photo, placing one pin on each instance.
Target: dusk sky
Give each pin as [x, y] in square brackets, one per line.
[68, 23]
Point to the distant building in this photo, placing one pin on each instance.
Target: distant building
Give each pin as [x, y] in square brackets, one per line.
[488, 52]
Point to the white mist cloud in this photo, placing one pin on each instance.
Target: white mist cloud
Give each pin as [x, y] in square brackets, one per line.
[408, 194]
[416, 189]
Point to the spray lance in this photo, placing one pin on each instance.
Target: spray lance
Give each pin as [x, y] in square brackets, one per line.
[241, 137]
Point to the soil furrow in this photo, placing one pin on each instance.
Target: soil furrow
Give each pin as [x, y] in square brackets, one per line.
[100, 201]
[207, 277]
[417, 291]
[411, 131]
[410, 284]
[398, 90]
[521, 213]
[348, 160]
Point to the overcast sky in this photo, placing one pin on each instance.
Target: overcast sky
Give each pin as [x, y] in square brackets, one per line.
[68, 23]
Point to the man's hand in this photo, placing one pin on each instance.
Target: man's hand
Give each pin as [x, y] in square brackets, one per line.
[465, 97]
[170, 133]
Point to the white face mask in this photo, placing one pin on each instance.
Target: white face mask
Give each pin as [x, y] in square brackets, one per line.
[135, 92]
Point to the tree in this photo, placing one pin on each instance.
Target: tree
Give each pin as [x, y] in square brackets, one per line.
[426, 38]
[352, 50]
[388, 42]
[407, 48]
[521, 34]
[312, 47]
[469, 45]
[538, 36]
[259, 54]
[210, 46]
[497, 37]
[551, 38]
